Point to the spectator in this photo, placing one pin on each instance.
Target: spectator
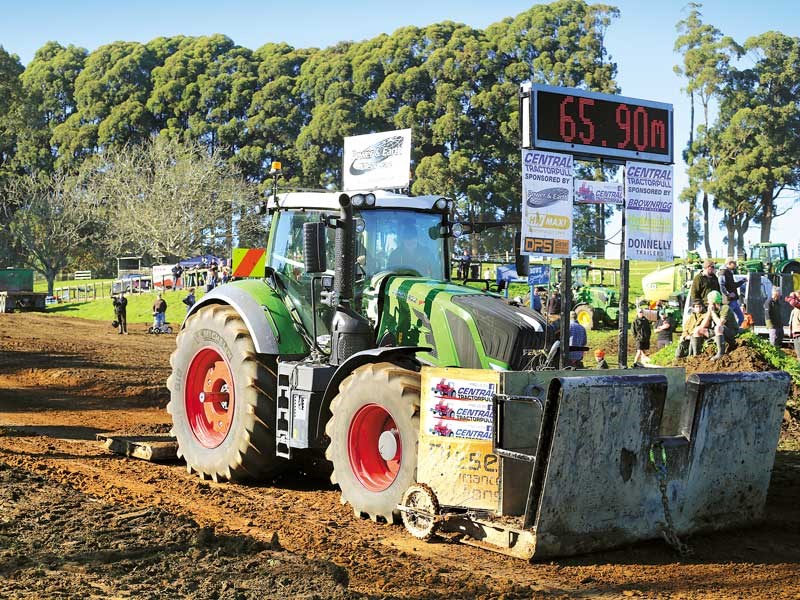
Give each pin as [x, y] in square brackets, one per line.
[464, 264]
[189, 300]
[748, 318]
[773, 316]
[213, 276]
[641, 333]
[159, 312]
[723, 321]
[121, 312]
[664, 327]
[704, 282]
[730, 289]
[577, 337]
[554, 304]
[226, 274]
[691, 342]
[177, 272]
[794, 321]
[536, 300]
[600, 357]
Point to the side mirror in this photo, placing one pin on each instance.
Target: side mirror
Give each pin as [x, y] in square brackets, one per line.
[314, 247]
[521, 262]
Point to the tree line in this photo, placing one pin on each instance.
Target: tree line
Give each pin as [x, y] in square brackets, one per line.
[72, 113]
[121, 134]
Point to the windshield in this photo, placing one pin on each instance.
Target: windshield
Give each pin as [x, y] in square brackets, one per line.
[394, 239]
[385, 239]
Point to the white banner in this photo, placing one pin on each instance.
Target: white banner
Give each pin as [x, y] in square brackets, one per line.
[546, 203]
[377, 160]
[598, 192]
[648, 216]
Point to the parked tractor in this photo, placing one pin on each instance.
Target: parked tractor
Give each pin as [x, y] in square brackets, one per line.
[769, 259]
[338, 369]
[595, 298]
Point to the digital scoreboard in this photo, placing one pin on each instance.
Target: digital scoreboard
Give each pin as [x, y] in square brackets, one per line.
[594, 124]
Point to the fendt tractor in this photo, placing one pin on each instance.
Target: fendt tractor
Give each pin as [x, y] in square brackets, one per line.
[349, 369]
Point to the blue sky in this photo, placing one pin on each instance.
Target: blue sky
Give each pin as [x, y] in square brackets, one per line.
[640, 41]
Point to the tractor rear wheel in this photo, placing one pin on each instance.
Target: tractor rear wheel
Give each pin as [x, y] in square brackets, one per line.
[222, 399]
[585, 315]
[373, 435]
[791, 267]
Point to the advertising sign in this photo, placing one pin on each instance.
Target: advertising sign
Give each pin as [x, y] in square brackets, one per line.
[649, 206]
[456, 430]
[598, 192]
[538, 274]
[377, 160]
[546, 203]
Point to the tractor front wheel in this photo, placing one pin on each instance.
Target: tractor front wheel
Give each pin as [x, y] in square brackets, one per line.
[585, 315]
[222, 398]
[373, 435]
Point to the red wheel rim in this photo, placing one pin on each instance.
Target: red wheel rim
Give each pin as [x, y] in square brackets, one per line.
[373, 471]
[209, 397]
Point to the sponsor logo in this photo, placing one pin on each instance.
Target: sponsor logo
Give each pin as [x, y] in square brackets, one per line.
[372, 157]
[547, 196]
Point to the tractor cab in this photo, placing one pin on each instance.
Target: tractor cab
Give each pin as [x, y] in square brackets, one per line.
[393, 234]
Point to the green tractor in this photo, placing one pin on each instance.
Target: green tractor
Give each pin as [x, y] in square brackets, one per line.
[311, 363]
[595, 300]
[770, 259]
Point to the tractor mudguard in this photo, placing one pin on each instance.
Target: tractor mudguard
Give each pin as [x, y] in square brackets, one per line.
[264, 314]
[373, 355]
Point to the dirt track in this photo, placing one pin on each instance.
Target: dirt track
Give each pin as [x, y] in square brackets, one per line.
[79, 522]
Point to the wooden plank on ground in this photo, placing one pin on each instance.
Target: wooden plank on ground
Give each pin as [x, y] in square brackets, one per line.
[153, 447]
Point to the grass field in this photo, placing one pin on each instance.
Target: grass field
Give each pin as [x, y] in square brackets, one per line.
[140, 308]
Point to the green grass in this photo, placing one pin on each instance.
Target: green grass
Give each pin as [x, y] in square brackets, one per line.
[140, 308]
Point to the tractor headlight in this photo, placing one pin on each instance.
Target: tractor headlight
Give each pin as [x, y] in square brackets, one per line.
[369, 199]
[357, 200]
[441, 204]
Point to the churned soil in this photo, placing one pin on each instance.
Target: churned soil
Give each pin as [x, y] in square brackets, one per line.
[77, 521]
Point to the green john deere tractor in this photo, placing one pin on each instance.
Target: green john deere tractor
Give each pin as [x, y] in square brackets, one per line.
[595, 298]
[769, 259]
[311, 363]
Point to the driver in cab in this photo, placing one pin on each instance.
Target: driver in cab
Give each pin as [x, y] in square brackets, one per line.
[409, 252]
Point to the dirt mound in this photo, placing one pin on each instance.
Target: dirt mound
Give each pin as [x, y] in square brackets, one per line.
[741, 359]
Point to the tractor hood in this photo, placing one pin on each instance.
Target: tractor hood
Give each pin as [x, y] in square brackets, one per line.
[464, 326]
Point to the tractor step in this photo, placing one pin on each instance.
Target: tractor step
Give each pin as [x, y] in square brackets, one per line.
[153, 447]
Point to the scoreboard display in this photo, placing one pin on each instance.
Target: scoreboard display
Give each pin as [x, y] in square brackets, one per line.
[594, 124]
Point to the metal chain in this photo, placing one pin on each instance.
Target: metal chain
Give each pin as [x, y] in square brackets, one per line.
[669, 534]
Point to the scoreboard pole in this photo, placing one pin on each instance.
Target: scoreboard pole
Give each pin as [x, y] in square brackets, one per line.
[624, 270]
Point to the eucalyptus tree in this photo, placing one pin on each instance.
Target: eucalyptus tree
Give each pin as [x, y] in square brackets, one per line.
[762, 126]
[707, 55]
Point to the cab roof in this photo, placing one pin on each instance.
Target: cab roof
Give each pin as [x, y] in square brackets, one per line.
[330, 200]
